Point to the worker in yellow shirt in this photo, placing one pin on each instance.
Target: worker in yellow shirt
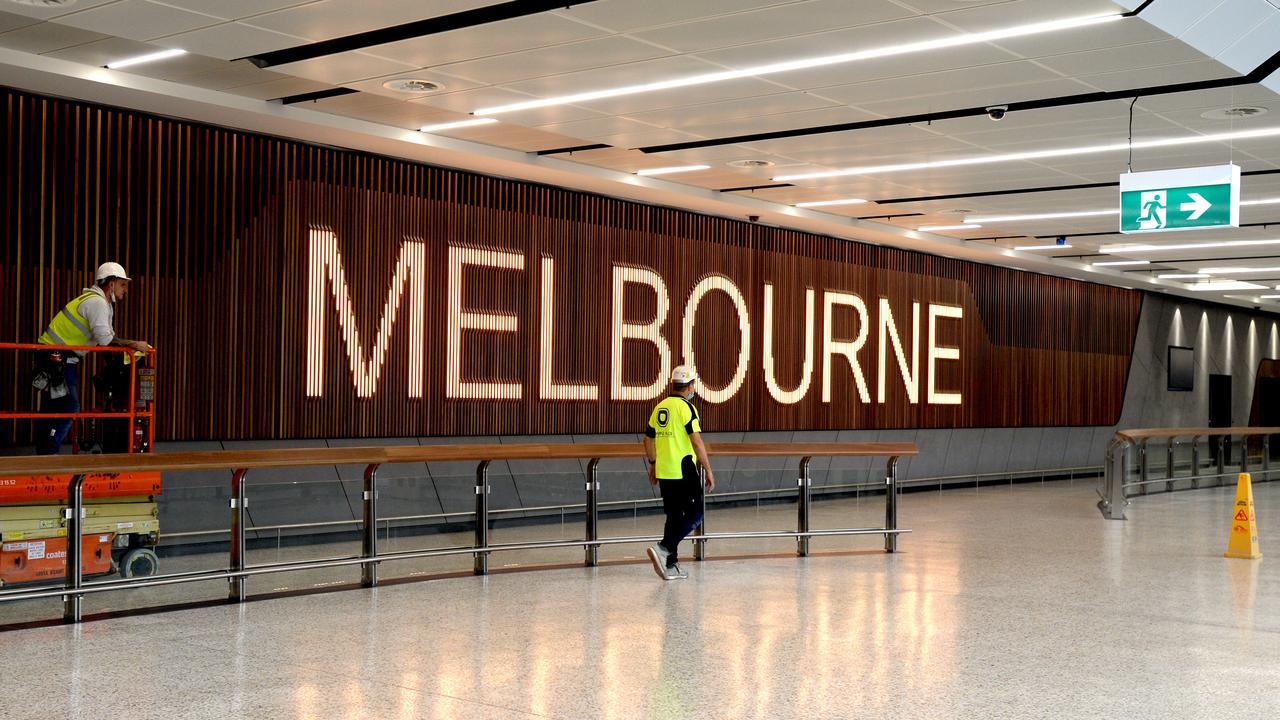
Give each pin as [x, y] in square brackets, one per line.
[673, 445]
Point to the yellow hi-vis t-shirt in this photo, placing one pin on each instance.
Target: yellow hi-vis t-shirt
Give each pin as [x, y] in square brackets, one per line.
[670, 425]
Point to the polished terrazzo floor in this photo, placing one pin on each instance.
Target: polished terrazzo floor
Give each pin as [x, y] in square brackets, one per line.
[1006, 602]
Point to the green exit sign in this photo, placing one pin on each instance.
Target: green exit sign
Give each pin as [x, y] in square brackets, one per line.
[1183, 199]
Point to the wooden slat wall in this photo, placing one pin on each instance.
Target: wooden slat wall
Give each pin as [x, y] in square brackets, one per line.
[214, 224]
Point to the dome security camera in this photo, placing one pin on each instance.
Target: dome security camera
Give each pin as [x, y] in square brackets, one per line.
[997, 112]
[753, 218]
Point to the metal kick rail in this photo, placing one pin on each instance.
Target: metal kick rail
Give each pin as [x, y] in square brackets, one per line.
[1120, 477]
[241, 462]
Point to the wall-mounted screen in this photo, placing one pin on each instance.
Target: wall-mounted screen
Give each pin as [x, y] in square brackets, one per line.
[1182, 368]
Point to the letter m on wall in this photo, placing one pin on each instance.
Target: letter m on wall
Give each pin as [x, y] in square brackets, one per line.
[325, 271]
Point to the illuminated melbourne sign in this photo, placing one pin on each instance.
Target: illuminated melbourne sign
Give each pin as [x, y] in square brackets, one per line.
[883, 347]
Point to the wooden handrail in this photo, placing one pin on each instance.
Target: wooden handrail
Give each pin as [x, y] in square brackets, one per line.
[1149, 433]
[302, 457]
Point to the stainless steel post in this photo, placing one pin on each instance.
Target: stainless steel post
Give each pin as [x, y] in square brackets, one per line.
[802, 517]
[1222, 458]
[1115, 475]
[482, 518]
[1195, 461]
[236, 591]
[593, 513]
[72, 605]
[1168, 487]
[700, 546]
[891, 505]
[369, 549]
[1142, 466]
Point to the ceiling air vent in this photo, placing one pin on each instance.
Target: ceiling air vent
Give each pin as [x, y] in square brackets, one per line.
[1234, 113]
[751, 163]
[44, 3]
[412, 85]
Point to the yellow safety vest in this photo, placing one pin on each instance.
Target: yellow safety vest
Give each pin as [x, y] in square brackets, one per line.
[69, 327]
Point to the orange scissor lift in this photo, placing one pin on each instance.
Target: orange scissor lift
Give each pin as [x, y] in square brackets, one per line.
[121, 522]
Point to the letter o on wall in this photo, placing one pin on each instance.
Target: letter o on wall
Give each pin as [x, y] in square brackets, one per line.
[726, 286]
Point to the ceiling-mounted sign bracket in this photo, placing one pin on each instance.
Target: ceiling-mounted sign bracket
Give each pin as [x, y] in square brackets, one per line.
[1182, 199]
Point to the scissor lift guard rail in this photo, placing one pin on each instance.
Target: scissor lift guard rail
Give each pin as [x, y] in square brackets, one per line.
[241, 462]
[1119, 477]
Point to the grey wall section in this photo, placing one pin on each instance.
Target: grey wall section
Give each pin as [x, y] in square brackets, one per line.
[1226, 341]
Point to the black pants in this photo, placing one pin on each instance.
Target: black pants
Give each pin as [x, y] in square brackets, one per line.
[682, 502]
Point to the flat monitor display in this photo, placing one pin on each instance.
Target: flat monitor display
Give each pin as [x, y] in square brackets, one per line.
[1182, 368]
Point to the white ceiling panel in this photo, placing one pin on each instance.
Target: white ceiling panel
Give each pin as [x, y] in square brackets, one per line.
[829, 42]
[484, 41]
[1014, 73]
[46, 12]
[230, 41]
[328, 19]
[410, 116]
[235, 9]
[709, 113]
[601, 126]
[46, 37]
[978, 97]
[284, 87]
[1133, 57]
[554, 60]
[230, 75]
[1167, 75]
[604, 78]
[742, 29]
[650, 136]
[138, 20]
[344, 68]
[11, 21]
[1124, 32]
[628, 15]
[942, 6]
[991, 16]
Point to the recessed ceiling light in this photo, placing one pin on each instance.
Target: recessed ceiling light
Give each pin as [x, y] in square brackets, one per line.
[1268, 297]
[1240, 112]
[45, 3]
[1120, 263]
[149, 57]
[828, 203]
[1263, 201]
[456, 125]
[957, 40]
[750, 163]
[1036, 154]
[412, 85]
[1043, 247]
[935, 228]
[671, 170]
[1127, 249]
[1182, 276]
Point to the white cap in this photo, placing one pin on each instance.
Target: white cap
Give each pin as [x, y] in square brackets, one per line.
[683, 375]
[110, 270]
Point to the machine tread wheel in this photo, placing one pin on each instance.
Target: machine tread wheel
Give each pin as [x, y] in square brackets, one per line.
[139, 562]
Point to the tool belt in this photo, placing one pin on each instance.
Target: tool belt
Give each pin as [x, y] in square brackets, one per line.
[48, 373]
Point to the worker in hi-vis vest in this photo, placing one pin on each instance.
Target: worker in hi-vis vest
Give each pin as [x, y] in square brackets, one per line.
[86, 320]
[673, 445]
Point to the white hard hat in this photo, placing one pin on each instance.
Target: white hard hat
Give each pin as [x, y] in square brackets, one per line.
[110, 270]
[683, 375]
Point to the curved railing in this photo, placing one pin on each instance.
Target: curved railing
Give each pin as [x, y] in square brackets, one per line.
[1128, 468]
[242, 462]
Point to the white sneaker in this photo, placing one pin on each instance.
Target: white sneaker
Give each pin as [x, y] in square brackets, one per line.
[658, 556]
[679, 574]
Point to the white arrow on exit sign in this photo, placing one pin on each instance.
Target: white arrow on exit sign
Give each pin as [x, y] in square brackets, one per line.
[1197, 206]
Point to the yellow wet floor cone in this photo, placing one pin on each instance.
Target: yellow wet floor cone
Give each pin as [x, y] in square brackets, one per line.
[1244, 524]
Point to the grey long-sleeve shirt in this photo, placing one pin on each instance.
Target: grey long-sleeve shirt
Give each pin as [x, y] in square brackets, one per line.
[99, 314]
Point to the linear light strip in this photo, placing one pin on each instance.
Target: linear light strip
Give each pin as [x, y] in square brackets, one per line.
[1182, 276]
[1035, 154]
[936, 228]
[1120, 263]
[1043, 247]
[456, 125]
[1239, 270]
[806, 63]
[828, 203]
[1224, 286]
[1080, 213]
[149, 57]
[1126, 249]
[672, 170]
